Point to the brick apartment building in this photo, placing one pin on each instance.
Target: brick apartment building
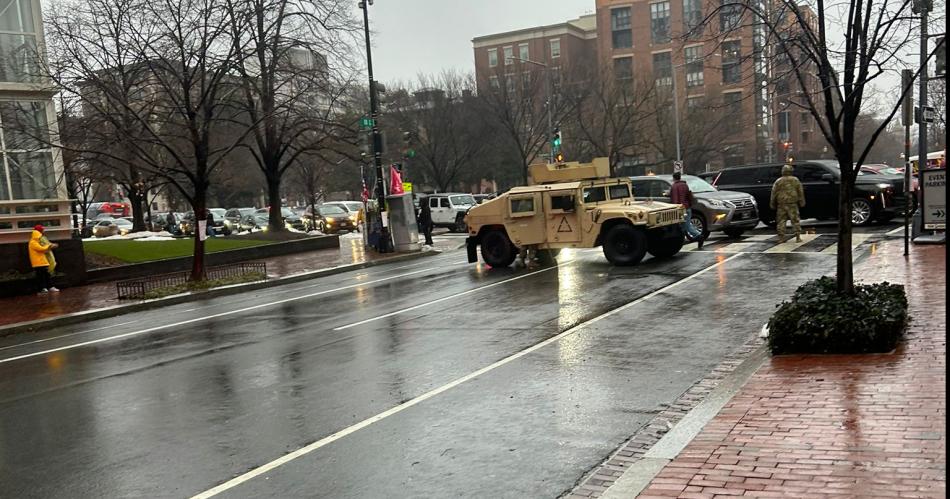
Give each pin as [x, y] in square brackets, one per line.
[723, 67]
[498, 57]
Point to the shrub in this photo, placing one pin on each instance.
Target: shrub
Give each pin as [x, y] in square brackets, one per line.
[820, 320]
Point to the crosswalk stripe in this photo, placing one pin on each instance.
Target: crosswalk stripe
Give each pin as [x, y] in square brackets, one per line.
[856, 240]
[736, 247]
[789, 246]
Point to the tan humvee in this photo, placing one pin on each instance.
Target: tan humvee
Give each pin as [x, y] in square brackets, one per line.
[573, 205]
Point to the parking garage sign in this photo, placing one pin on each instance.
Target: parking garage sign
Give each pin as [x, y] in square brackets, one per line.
[934, 199]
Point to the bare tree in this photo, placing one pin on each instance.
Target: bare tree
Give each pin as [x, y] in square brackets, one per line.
[443, 119]
[156, 74]
[289, 88]
[613, 117]
[850, 45]
[517, 104]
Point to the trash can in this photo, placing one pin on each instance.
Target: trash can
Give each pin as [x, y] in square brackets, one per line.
[402, 223]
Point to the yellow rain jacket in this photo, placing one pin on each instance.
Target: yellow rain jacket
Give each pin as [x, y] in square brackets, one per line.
[40, 251]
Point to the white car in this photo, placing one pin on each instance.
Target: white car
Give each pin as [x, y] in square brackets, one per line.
[448, 210]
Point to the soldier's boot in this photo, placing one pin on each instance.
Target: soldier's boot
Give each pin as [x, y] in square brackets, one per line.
[798, 237]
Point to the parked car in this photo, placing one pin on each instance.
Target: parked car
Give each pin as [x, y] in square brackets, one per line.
[890, 170]
[254, 221]
[233, 217]
[112, 227]
[728, 211]
[291, 219]
[160, 223]
[111, 209]
[448, 210]
[875, 197]
[351, 207]
[331, 218]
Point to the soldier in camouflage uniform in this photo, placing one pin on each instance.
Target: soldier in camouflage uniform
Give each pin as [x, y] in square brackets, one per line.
[787, 198]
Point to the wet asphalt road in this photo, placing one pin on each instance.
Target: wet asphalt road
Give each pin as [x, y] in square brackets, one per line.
[172, 402]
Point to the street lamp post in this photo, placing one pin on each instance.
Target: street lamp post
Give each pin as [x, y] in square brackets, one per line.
[547, 99]
[385, 243]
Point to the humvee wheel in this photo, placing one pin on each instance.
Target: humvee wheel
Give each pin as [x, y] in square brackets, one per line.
[625, 245]
[497, 250]
[548, 256]
[663, 244]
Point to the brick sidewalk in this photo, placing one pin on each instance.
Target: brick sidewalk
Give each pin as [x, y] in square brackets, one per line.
[836, 425]
[102, 295]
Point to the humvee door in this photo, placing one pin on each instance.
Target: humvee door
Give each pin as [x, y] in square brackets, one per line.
[525, 224]
[561, 217]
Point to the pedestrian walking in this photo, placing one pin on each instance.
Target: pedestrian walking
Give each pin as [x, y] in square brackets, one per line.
[42, 260]
[787, 197]
[209, 221]
[681, 195]
[170, 223]
[425, 220]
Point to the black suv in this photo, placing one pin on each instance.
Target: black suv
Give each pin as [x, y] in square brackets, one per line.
[876, 197]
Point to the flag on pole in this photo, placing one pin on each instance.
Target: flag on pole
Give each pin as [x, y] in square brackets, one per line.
[395, 182]
[365, 194]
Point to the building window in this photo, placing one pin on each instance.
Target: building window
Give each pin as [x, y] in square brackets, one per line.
[18, 43]
[693, 18]
[660, 22]
[733, 108]
[526, 81]
[623, 68]
[694, 66]
[620, 28]
[509, 54]
[782, 86]
[523, 53]
[493, 81]
[26, 171]
[734, 155]
[510, 82]
[694, 103]
[783, 126]
[492, 57]
[804, 120]
[663, 68]
[805, 137]
[730, 15]
[555, 48]
[731, 65]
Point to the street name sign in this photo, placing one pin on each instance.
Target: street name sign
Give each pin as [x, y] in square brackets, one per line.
[933, 203]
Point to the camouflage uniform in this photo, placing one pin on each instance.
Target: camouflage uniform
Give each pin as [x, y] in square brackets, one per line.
[787, 197]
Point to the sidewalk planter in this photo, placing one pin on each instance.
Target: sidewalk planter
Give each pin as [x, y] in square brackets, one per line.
[819, 320]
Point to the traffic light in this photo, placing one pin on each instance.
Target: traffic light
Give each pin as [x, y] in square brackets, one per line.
[941, 57]
[556, 139]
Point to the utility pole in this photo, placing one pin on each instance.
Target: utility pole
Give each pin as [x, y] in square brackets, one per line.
[907, 118]
[922, 6]
[385, 241]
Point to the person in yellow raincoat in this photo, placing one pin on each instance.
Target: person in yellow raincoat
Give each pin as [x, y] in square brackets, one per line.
[42, 259]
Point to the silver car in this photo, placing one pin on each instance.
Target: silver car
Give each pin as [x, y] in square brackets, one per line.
[728, 211]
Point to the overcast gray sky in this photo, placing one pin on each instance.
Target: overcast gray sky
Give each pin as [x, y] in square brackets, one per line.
[427, 36]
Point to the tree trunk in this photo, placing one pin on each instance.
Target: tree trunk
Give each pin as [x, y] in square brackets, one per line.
[201, 213]
[275, 221]
[138, 216]
[845, 268]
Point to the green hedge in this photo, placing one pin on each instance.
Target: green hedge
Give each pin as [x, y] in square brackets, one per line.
[819, 320]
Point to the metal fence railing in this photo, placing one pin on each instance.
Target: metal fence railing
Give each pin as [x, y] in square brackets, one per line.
[138, 288]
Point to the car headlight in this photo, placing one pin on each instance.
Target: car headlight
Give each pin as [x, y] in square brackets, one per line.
[716, 203]
[885, 186]
[754, 202]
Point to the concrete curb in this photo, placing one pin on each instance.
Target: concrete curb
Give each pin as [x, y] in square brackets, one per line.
[639, 475]
[103, 313]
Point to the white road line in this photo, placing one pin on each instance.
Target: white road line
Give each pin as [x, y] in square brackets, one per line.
[205, 318]
[18, 345]
[789, 246]
[440, 300]
[896, 231]
[856, 240]
[286, 458]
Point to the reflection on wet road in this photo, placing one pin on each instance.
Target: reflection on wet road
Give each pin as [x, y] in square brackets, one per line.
[431, 379]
